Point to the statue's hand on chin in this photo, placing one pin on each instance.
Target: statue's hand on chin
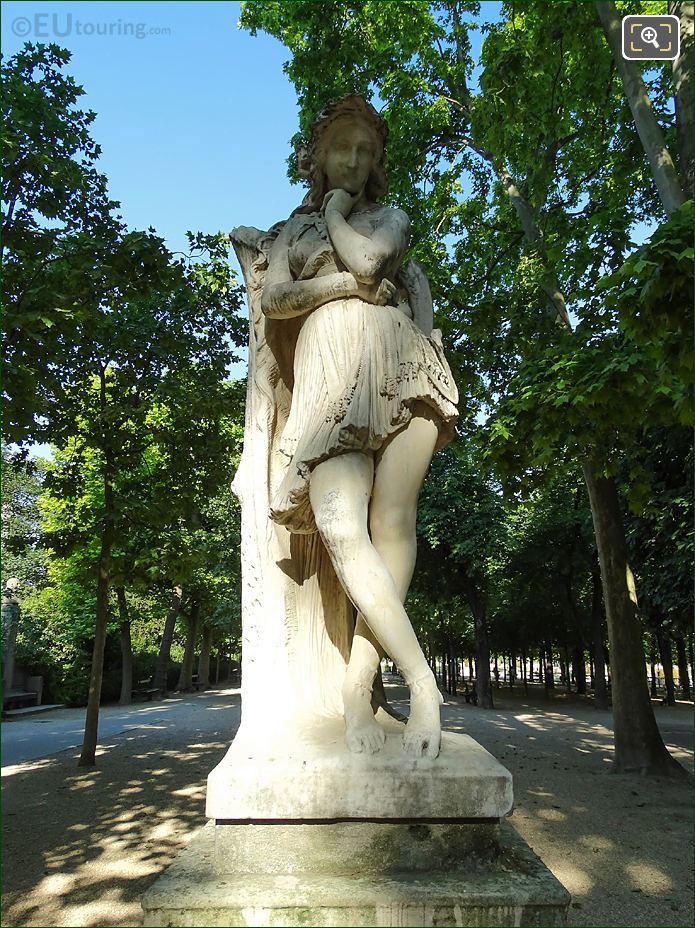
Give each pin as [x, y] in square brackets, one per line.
[339, 201]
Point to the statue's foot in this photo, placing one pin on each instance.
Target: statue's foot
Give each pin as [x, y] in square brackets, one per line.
[364, 735]
[423, 732]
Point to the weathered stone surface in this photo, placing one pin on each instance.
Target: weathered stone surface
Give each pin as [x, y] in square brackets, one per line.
[352, 848]
[515, 889]
[316, 777]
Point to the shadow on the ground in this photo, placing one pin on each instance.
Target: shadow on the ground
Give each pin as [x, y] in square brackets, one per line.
[611, 839]
[81, 845]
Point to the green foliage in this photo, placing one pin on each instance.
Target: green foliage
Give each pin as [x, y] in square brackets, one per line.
[652, 293]
[57, 221]
[22, 554]
[660, 535]
[461, 514]
[596, 393]
[117, 355]
[56, 627]
[544, 109]
[542, 585]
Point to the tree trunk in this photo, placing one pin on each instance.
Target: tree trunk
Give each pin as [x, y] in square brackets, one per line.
[523, 672]
[159, 680]
[683, 84]
[185, 683]
[126, 696]
[664, 641]
[652, 667]
[451, 669]
[638, 743]
[483, 685]
[204, 659]
[551, 666]
[683, 676]
[91, 724]
[579, 669]
[646, 123]
[565, 669]
[597, 617]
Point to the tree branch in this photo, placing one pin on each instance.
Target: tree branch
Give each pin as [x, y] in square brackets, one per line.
[648, 129]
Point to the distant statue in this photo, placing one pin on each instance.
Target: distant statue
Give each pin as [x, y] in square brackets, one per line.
[349, 396]
[10, 623]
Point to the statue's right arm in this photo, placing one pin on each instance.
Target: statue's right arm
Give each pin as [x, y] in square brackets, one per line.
[284, 297]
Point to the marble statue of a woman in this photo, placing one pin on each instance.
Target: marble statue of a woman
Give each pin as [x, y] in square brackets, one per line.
[349, 397]
[327, 810]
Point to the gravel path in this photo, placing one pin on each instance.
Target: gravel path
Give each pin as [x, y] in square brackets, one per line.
[80, 846]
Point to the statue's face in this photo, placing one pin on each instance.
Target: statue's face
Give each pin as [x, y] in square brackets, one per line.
[348, 155]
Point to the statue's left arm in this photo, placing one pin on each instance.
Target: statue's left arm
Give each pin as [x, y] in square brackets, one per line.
[370, 258]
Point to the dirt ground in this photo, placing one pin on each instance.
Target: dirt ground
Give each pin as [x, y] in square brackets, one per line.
[81, 846]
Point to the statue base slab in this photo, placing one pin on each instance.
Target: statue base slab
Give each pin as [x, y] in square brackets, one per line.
[364, 848]
[505, 886]
[306, 833]
[312, 777]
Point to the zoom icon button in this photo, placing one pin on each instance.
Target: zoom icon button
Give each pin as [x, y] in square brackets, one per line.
[651, 38]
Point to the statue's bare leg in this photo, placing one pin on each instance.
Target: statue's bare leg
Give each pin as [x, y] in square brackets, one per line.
[340, 490]
[400, 470]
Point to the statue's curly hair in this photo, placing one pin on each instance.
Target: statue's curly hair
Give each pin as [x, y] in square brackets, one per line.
[309, 164]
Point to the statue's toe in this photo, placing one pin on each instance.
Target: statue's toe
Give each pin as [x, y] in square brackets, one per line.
[367, 740]
[422, 744]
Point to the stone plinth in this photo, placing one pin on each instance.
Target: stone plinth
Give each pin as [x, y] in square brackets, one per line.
[352, 848]
[511, 888]
[315, 778]
[306, 833]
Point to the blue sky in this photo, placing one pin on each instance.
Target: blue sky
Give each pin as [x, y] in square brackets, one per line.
[194, 117]
[194, 122]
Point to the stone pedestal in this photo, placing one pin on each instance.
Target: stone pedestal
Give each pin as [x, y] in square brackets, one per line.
[319, 836]
[313, 777]
[511, 887]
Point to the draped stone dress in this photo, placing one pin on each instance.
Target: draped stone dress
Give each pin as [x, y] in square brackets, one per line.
[359, 371]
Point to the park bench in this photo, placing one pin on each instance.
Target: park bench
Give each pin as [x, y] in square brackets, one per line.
[146, 692]
[25, 692]
[20, 699]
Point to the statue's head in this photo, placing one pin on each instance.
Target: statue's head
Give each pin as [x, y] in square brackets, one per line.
[11, 589]
[346, 150]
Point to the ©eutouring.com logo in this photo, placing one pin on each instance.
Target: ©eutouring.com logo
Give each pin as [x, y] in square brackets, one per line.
[61, 25]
